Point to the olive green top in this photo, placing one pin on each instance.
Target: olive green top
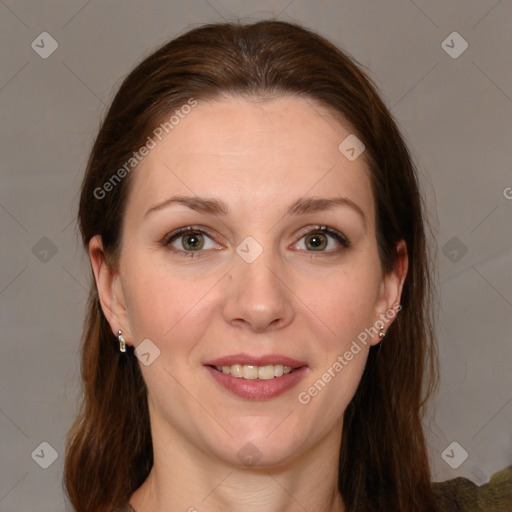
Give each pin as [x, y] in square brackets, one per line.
[461, 494]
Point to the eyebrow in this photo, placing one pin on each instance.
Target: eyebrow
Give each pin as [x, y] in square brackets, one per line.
[301, 206]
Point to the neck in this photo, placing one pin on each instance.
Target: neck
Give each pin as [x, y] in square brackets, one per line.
[183, 478]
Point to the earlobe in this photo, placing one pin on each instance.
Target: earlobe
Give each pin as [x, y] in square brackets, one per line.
[109, 288]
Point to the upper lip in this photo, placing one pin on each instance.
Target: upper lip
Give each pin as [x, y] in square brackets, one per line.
[263, 360]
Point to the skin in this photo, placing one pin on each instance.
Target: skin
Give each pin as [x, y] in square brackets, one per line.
[258, 157]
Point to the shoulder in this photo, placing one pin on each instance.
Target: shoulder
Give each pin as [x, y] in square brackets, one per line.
[461, 494]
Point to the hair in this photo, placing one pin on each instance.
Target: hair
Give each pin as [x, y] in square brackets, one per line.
[383, 461]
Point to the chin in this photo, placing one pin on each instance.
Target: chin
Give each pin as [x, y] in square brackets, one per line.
[262, 451]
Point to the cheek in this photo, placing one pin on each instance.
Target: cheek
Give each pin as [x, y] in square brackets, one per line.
[344, 302]
[159, 302]
[345, 307]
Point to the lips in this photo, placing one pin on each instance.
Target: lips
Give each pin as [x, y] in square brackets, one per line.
[252, 386]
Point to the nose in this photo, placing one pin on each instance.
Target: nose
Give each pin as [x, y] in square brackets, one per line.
[258, 296]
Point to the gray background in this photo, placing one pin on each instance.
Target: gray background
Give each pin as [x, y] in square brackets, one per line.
[454, 112]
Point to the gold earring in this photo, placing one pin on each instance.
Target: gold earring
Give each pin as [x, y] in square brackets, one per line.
[122, 342]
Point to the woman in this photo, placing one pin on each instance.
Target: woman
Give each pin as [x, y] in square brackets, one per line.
[258, 330]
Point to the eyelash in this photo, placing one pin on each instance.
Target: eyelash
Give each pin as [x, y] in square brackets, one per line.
[339, 237]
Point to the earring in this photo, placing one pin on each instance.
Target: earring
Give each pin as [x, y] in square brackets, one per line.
[122, 342]
[382, 334]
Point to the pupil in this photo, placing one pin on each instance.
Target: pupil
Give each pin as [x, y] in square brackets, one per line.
[192, 242]
[315, 241]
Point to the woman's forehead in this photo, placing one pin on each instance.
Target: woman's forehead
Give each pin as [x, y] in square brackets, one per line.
[233, 124]
[285, 147]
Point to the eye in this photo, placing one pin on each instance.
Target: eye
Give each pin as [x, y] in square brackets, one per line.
[189, 240]
[323, 239]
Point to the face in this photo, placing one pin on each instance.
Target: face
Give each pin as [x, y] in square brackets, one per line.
[249, 248]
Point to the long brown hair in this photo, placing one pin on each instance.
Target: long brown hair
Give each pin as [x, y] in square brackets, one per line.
[383, 462]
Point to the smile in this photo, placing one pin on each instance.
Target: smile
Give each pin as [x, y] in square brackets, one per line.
[257, 377]
[253, 372]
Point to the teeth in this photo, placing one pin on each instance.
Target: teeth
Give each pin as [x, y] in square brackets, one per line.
[252, 372]
[249, 372]
[266, 372]
[235, 370]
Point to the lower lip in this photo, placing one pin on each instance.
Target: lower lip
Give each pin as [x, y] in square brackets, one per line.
[258, 389]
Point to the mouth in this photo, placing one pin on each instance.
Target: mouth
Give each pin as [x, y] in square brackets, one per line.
[253, 372]
[257, 378]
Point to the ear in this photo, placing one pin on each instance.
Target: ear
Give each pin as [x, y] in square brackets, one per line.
[388, 302]
[110, 290]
